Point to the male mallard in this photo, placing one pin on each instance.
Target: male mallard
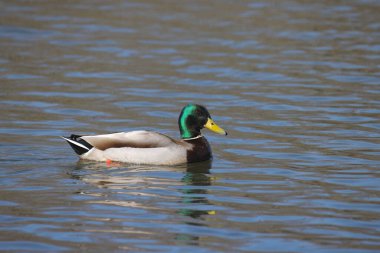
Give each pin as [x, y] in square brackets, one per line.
[147, 147]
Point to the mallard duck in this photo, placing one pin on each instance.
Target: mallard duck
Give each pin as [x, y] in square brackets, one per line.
[152, 148]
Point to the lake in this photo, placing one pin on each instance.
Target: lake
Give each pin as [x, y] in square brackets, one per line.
[296, 84]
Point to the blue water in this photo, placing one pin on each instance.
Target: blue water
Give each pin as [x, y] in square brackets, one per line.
[295, 84]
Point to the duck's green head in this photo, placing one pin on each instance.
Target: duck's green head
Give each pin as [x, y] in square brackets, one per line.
[195, 117]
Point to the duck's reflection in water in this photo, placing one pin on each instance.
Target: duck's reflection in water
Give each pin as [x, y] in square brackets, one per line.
[196, 181]
[178, 193]
[153, 182]
[197, 178]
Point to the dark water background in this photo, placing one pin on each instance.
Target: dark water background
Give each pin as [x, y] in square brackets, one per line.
[295, 83]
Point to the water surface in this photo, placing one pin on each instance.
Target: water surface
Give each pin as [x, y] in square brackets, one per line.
[295, 84]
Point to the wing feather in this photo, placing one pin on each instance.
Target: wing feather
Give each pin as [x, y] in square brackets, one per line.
[134, 139]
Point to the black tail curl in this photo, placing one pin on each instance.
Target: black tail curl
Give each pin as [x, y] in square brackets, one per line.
[79, 145]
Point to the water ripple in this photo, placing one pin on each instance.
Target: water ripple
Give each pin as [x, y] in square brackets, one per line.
[294, 83]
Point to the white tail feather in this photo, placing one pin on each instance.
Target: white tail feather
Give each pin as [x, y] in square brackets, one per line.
[75, 143]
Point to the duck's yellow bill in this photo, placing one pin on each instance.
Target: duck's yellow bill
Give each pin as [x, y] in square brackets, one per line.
[214, 127]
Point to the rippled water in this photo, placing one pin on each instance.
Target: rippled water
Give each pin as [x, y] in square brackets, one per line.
[295, 83]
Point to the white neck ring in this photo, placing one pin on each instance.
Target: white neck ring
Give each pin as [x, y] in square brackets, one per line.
[199, 136]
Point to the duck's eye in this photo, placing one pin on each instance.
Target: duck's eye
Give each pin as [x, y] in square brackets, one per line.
[212, 124]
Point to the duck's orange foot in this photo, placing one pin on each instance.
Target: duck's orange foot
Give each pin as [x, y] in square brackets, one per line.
[111, 164]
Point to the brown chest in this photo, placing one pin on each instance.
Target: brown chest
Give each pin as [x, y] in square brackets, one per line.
[200, 150]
